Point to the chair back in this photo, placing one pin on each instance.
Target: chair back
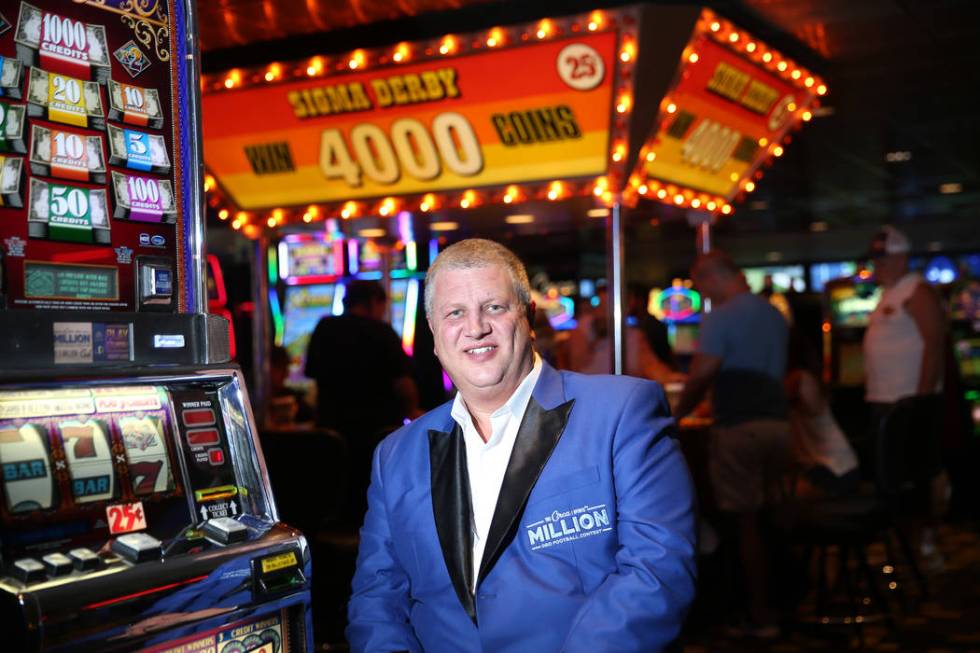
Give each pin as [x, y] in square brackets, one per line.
[906, 451]
[308, 471]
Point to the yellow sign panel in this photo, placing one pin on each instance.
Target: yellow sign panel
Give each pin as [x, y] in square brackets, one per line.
[531, 113]
[277, 562]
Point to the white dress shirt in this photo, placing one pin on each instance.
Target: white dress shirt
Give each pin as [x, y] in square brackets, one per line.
[486, 462]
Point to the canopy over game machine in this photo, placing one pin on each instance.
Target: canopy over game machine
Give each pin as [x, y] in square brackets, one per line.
[544, 111]
[135, 509]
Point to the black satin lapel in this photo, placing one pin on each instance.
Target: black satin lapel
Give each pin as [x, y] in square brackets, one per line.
[453, 512]
[536, 439]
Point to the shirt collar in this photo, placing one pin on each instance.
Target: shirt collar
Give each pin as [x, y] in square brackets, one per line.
[515, 405]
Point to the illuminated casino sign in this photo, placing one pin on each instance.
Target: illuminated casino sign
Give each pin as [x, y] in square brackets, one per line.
[679, 303]
[732, 105]
[534, 112]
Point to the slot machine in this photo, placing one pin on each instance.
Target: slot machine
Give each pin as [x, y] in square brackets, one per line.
[136, 512]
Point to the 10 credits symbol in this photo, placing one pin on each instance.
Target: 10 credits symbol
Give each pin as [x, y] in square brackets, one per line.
[580, 66]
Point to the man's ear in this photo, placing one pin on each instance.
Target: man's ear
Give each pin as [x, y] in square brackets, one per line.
[531, 308]
[433, 332]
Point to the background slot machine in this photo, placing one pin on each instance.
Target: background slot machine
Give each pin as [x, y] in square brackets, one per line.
[679, 307]
[849, 303]
[965, 328]
[136, 512]
[304, 287]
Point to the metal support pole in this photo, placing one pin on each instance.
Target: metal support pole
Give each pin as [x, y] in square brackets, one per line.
[615, 284]
[704, 247]
[261, 331]
[196, 286]
[704, 237]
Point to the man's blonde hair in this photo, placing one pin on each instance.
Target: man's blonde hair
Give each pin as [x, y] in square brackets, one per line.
[478, 253]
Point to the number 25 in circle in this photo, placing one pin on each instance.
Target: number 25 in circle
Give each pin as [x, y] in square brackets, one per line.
[580, 66]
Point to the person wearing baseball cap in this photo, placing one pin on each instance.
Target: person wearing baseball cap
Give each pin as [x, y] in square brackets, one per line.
[903, 363]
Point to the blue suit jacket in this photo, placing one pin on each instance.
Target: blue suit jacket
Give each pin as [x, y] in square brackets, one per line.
[591, 546]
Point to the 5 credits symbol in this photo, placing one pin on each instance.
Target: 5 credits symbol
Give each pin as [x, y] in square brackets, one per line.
[580, 66]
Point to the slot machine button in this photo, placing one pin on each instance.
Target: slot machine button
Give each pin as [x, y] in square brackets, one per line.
[27, 570]
[57, 564]
[216, 457]
[84, 559]
[137, 547]
[198, 417]
[225, 530]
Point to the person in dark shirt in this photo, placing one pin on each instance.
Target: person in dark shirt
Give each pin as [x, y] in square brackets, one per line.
[653, 329]
[288, 407]
[741, 357]
[363, 377]
[364, 383]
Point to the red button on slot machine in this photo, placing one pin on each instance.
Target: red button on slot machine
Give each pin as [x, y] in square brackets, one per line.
[198, 417]
[203, 437]
[216, 457]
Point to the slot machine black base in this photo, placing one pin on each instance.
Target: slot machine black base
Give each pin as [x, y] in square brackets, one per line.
[136, 515]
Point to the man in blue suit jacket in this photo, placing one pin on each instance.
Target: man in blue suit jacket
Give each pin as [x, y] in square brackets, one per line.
[539, 511]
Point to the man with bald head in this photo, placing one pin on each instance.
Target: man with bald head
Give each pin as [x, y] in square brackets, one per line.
[741, 357]
[537, 511]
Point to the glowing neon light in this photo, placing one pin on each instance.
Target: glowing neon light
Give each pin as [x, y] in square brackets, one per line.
[273, 265]
[433, 249]
[338, 299]
[279, 326]
[411, 311]
[219, 283]
[283, 260]
[352, 257]
[306, 281]
[338, 253]
[405, 231]
[411, 256]
[560, 320]
[675, 304]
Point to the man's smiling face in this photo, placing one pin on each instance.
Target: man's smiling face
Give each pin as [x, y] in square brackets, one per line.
[482, 335]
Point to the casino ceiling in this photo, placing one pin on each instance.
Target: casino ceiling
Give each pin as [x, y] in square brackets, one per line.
[898, 138]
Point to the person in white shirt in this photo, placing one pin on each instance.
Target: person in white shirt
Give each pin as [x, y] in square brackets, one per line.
[539, 510]
[903, 362]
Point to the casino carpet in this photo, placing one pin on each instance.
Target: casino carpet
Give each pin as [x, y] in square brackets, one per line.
[947, 622]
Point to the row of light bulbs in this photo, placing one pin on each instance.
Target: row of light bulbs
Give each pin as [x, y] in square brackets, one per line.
[448, 45]
[390, 206]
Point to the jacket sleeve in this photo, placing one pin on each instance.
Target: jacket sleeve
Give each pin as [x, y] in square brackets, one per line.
[641, 606]
[378, 611]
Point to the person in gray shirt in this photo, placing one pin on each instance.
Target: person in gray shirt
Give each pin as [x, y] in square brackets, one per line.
[741, 357]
